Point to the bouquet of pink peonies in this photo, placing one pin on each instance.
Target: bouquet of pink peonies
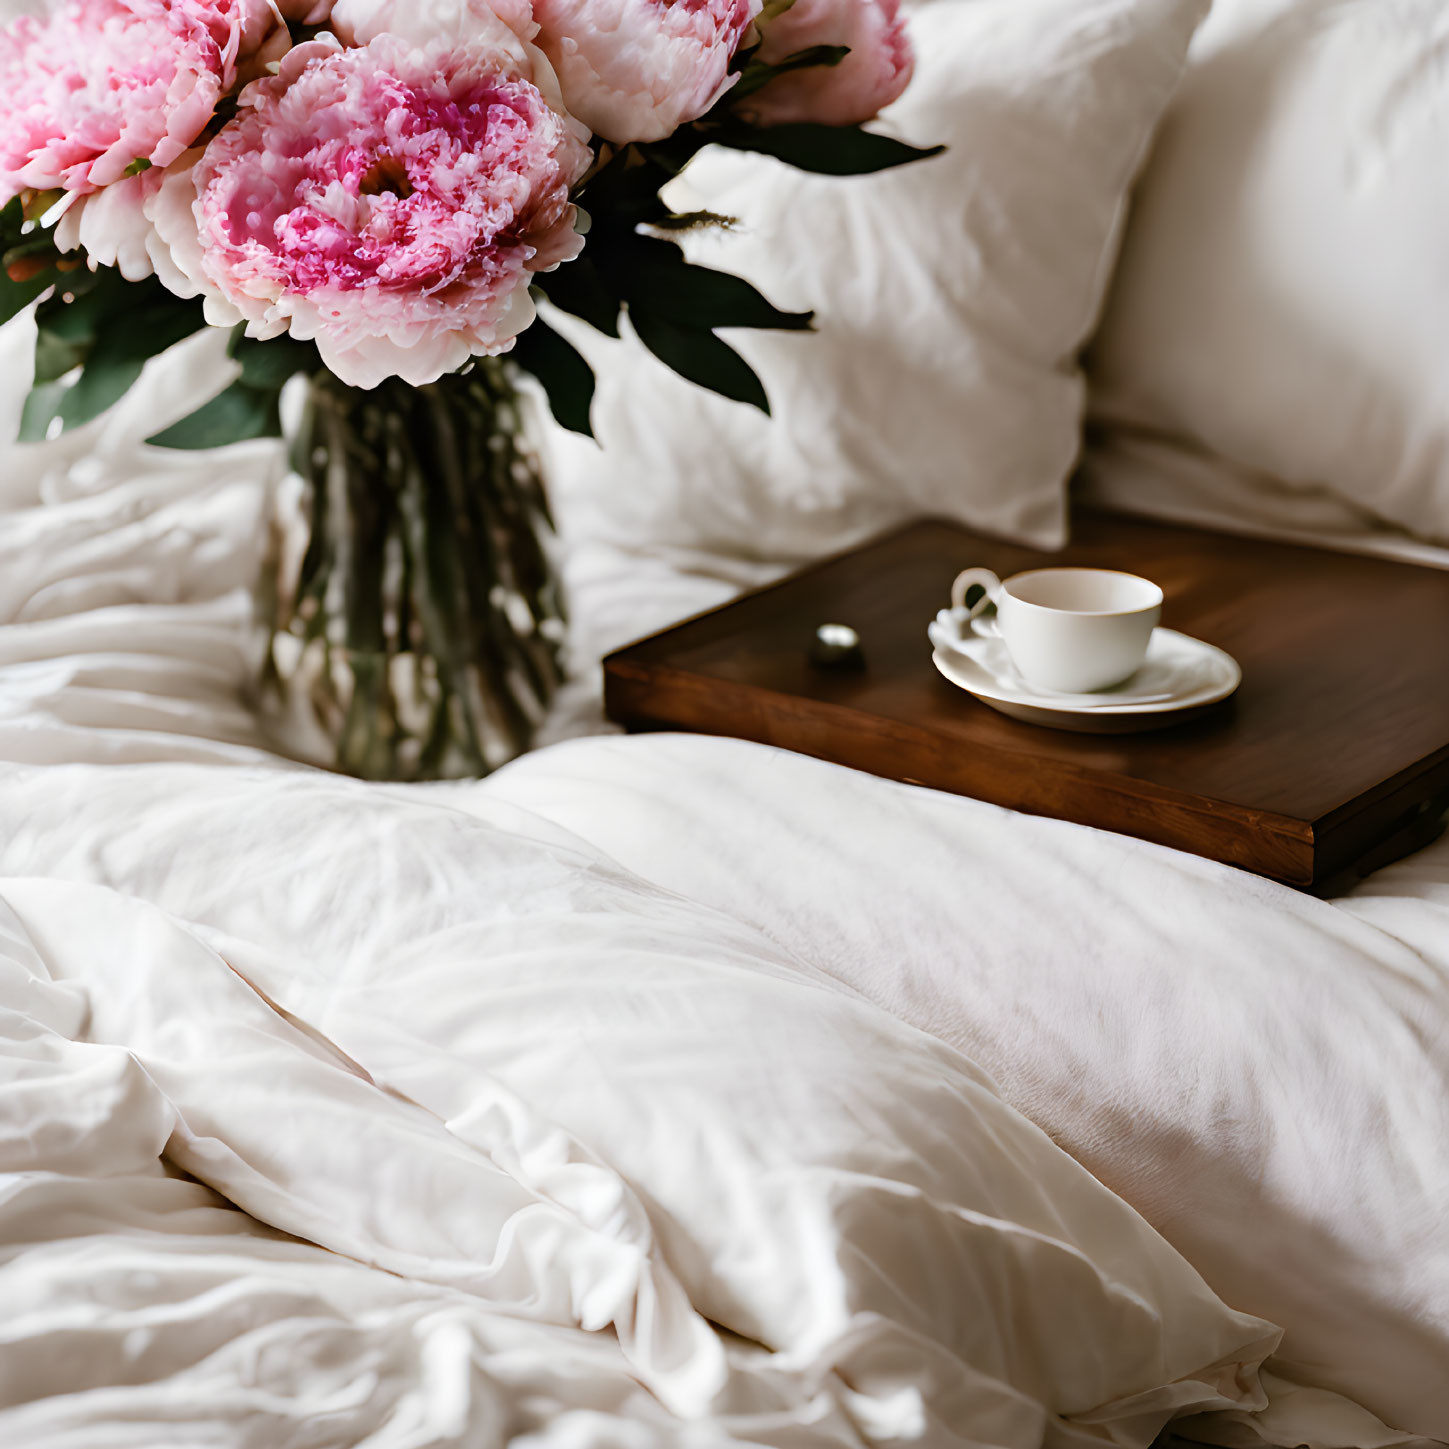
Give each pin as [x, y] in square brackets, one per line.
[377, 196]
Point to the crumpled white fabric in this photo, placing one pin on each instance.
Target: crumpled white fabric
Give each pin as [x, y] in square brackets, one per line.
[128, 574]
[144, 1308]
[465, 1050]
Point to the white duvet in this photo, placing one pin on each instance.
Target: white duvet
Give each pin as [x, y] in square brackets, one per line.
[657, 1091]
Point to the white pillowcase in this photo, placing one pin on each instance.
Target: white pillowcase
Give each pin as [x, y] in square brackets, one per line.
[1265, 1078]
[952, 298]
[1283, 296]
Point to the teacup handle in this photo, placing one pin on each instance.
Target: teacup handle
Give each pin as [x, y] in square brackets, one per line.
[964, 584]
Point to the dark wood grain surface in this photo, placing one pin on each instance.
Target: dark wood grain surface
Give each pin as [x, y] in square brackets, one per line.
[1338, 738]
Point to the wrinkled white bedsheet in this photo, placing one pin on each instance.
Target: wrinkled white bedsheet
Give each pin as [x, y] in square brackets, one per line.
[463, 1049]
[212, 968]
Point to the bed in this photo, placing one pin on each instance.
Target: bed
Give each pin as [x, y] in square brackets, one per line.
[662, 1090]
[257, 1173]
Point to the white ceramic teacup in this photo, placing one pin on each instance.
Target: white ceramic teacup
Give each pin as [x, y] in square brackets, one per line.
[1073, 631]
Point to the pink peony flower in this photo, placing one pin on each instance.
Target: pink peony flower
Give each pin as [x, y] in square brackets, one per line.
[422, 21]
[103, 84]
[875, 72]
[111, 227]
[390, 202]
[637, 70]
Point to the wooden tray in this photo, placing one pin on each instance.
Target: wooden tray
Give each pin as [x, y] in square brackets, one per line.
[1333, 756]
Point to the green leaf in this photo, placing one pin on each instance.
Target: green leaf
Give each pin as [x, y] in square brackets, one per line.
[37, 244]
[108, 328]
[825, 150]
[147, 331]
[137, 167]
[566, 377]
[271, 364]
[108, 375]
[701, 357]
[91, 302]
[653, 275]
[114, 362]
[16, 296]
[55, 357]
[757, 74]
[677, 221]
[234, 416]
[626, 191]
[41, 407]
[577, 288]
[12, 220]
[771, 11]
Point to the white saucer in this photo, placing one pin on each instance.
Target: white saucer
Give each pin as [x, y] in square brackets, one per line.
[1180, 674]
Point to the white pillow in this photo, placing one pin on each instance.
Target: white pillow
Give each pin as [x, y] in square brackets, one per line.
[1283, 296]
[1263, 1077]
[952, 297]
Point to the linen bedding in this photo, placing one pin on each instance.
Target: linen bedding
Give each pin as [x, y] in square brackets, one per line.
[655, 1091]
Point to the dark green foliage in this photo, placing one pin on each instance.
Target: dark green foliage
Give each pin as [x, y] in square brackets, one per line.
[674, 305]
[232, 416]
[96, 331]
[696, 353]
[269, 366]
[251, 406]
[651, 275]
[631, 265]
[565, 376]
[827, 150]
[579, 290]
[756, 74]
[27, 268]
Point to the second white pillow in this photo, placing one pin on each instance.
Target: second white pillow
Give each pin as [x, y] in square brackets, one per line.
[1283, 296]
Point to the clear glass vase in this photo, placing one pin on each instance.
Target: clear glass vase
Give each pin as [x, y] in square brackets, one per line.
[415, 615]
